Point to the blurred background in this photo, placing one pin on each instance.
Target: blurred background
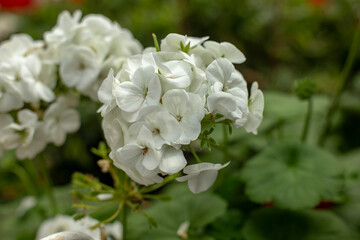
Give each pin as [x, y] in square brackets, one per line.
[283, 41]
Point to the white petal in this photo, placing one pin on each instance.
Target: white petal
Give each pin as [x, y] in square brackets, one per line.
[176, 101]
[232, 53]
[151, 159]
[256, 108]
[203, 181]
[191, 127]
[219, 70]
[27, 117]
[185, 178]
[129, 97]
[79, 67]
[221, 102]
[145, 137]
[205, 166]
[105, 90]
[154, 91]
[142, 76]
[44, 92]
[68, 235]
[225, 50]
[176, 74]
[172, 161]
[129, 154]
[70, 120]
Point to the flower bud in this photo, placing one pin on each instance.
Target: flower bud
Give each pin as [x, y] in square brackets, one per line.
[304, 89]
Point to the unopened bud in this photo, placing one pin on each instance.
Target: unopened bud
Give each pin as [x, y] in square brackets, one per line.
[304, 89]
[182, 231]
[104, 165]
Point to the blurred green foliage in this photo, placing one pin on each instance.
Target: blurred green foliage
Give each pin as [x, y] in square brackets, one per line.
[284, 41]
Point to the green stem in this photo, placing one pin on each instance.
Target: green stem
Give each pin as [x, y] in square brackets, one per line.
[225, 151]
[116, 175]
[123, 219]
[118, 211]
[25, 179]
[307, 120]
[28, 180]
[225, 145]
[220, 148]
[159, 185]
[194, 154]
[344, 80]
[33, 174]
[156, 43]
[49, 185]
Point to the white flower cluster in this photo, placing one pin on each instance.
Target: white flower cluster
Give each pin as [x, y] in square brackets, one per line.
[86, 49]
[35, 107]
[61, 223]
[155, 104]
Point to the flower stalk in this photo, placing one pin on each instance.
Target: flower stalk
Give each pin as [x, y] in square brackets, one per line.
[49, 186]
[344, 81]
[194, 154]
[307, 120]
[156, 43]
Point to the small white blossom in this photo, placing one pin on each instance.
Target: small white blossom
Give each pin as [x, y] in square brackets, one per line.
[64, 223]
[105, 94]
[188, 109]
[173, 42]
[201, 176]
[224, 50]
[256, 108]
[78, 67]
[25, 205]
[164, 127]
[10, 96]
[172, 161]
[143, 90]
[115, 129]
[183, 229]
[141, 154]
[59, 120]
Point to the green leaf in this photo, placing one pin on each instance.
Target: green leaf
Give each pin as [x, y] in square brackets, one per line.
[228, 226]
[349, 210]
[185, 48]
[199, 210]
[288, 106]
[292, 175]
[24, 226]
[277, 224]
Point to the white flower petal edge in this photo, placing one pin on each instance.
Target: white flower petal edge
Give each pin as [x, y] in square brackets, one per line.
[224, 50]
[75, 230]
[201, 176]
[256, 108]
[173, 160]
[188, 109]
[68, 235]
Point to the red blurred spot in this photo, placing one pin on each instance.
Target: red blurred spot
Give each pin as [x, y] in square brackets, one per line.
[325, 205]
[78, 1]
[317, 2]
[268, 204]
[11, 4]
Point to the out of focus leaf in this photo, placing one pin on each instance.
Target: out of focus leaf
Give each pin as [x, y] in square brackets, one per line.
[199, 210]
[292, 175]
[276, 224]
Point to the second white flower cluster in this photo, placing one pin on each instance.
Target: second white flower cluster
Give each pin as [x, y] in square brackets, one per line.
[155, 104]
[38, 79]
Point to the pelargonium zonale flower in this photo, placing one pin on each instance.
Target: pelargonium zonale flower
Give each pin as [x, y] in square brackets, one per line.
[154, 107]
